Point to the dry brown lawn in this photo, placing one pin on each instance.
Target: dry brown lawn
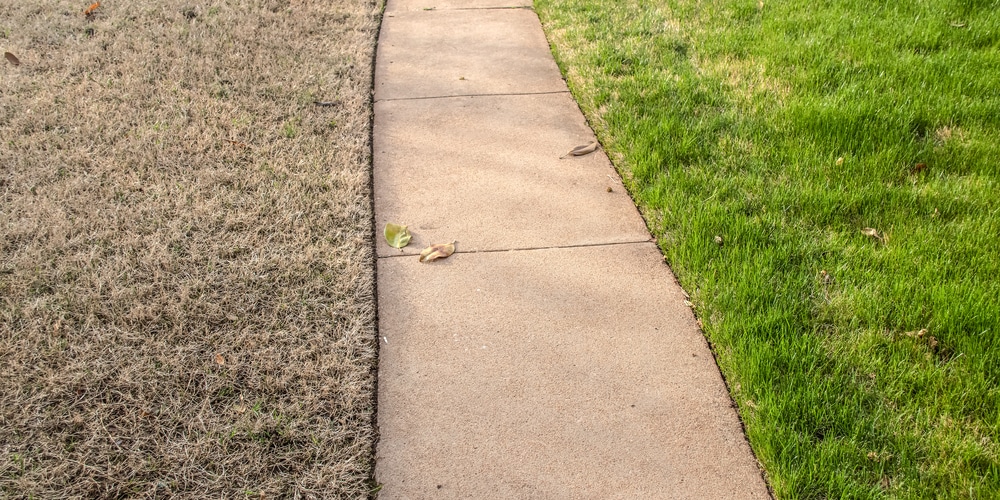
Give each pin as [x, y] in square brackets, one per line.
[186, 267]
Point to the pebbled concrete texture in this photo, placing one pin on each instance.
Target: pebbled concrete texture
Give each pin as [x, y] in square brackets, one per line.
[463, 52]
[486, 171]
[552, 356]
[554, 373]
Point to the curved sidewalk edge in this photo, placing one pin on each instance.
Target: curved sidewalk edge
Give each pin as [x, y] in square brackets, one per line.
[552, 356]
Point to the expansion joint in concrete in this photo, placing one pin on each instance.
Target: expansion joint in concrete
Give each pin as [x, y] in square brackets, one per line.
[529, 249]
[513, 94]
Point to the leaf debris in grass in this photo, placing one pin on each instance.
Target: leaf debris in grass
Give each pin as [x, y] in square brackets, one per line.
[873, 233]
[219, 360]
[11, 58]
[437, 251]
[398, 236]
[89, 11]
[585, 149]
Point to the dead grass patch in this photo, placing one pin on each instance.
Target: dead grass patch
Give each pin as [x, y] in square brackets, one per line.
[186, 284]
[746, 78]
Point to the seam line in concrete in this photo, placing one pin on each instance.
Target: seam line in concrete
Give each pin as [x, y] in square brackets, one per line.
[528, 249]
[435, 9]
[421, 98]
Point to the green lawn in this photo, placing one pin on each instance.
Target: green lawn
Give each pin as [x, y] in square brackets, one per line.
[762, 141]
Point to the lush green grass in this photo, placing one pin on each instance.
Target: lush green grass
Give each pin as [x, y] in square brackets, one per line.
[863, 366]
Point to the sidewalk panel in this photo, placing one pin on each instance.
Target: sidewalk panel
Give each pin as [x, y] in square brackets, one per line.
[464, 52]
[486, 171]
[556, 373]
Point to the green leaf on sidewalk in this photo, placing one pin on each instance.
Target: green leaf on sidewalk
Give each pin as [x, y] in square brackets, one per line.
[396, 235]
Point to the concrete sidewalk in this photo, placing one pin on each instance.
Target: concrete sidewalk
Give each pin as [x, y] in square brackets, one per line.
[552, 355]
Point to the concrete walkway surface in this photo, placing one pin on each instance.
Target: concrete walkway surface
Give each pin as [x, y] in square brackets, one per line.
[552, 355]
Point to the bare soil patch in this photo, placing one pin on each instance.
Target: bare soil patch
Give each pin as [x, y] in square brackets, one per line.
[186, 268]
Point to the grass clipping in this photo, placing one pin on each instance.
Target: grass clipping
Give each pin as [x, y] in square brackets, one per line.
[186, 285]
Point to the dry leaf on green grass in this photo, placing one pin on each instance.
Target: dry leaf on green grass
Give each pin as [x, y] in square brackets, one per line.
[397, 235]
[11, 58]
[872, 232]
[437, 251]
[586, 149]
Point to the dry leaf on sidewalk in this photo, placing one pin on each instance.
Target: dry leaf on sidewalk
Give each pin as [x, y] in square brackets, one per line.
[397, 236]
[437, 251]
[586, 149]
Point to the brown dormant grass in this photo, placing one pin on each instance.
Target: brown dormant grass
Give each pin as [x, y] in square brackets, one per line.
[186, 268]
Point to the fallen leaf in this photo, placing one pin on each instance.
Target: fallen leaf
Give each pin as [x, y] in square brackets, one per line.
[919, 167]
[957, 25]
[219, 359]
[326, 104]
[238, 143]
[397, 235]
[718, 240]
[11, 58]
[90, 10]
[586, 149]
[437, 251]
[827, 279]
[917, 334]
[872, 232]
[688, 303]
[840, 161]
